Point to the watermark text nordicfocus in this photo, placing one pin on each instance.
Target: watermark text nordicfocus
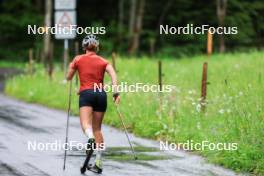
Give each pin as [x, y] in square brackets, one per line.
[136, 87]
[191, 29]
[190, 145]
[59, 29]
[58, 145]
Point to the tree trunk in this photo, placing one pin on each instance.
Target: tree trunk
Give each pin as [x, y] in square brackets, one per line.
[152, 42]
[132, 17]
[221, 14]
[39, 4]
[120, 20]
[137, 28]
[166, 8]
[47, 36]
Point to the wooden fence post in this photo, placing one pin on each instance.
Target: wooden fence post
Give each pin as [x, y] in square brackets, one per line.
[114, 60]
[50, 60]
[209, 43]
[205, 68]
[160, 75]
[160, 86]
[204, 87]
[30, 61]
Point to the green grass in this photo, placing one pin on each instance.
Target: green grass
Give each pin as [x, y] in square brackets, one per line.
[234, 110]
[8, 64]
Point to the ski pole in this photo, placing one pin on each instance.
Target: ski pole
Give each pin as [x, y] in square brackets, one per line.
[122, 121]
[67, 126]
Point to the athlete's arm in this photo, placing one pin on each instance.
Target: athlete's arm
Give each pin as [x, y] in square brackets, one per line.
[72, 68]
[111, 72]
[70, 73]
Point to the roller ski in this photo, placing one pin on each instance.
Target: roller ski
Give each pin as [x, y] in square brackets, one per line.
[89, 153]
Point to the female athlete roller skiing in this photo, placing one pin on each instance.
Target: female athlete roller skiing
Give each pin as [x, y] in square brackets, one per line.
[93, 101]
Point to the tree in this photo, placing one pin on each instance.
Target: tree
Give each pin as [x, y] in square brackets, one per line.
[161, 18]
[132, 14]
[47, 35]
[48, 46]
[120, 20]
[221, 14]
[137, 28]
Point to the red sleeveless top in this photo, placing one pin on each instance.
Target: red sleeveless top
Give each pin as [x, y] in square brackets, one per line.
[91, 69]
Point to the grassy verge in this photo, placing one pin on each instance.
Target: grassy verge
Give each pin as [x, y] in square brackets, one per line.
[234, 110]
[9, 64]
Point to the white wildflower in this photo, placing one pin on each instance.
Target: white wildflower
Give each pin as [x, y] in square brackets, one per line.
[177, 89]
[165, 126]
[199, 99]
[171, 130]
[198, 125]
[64, 81]
[237, 66]
[157, 133]
[31, 93]
[198, 107]
[190, 98]
[221, 111]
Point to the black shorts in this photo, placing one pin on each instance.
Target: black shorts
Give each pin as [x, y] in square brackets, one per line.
[96, 99]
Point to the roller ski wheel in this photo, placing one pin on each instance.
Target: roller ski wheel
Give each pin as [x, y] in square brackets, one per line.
[83, 169]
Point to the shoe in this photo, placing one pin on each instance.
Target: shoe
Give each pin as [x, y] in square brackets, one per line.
[97, 167]
[98, 164]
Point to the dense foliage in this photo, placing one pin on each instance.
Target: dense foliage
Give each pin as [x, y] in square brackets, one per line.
[15, 15]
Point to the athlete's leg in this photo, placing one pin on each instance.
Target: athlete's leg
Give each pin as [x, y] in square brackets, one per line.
[99, 140]
[98, 115]
[97, 123]
[86, 119]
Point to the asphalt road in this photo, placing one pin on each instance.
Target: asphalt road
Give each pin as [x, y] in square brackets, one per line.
[21, 123]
